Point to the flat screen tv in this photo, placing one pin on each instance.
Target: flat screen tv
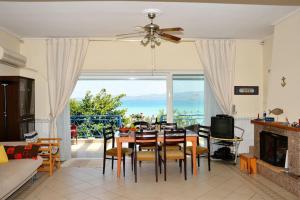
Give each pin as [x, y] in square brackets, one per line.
[222, 126]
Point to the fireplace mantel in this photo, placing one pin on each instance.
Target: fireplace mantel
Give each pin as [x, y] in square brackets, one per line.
[276, 125]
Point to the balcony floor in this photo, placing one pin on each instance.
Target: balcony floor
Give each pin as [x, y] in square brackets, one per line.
[87, 148]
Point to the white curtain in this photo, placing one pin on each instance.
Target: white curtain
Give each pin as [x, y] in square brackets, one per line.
[211, 107]
[218, 60]
[65, 58]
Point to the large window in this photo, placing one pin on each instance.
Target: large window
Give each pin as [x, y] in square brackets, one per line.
[188, 99]
[125, 99]
[119, 99]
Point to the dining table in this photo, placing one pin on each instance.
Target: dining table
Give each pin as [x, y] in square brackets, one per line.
[191, 136]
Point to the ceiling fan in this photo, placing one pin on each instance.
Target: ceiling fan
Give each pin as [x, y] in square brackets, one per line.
[153, 33]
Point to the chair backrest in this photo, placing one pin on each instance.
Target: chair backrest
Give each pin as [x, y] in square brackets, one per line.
[141, 125]
[168, 126]
[178, 136]
[109, 134]
[146, 136]
[204, 131]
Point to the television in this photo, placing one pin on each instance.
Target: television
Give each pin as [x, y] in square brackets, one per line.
[222, 126]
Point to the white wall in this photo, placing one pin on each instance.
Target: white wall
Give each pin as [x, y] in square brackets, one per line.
[248, 72]
[286, 62]
[267, 62]
[132, 56]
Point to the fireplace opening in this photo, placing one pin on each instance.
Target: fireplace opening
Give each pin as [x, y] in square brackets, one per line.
[273, 148]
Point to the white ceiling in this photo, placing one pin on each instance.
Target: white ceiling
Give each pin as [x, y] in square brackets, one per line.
[106, 19]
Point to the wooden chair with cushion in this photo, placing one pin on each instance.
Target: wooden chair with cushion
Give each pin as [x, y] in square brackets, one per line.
[170, 126]
[145, 137]
[203, 132]
[142, 125]
[165, 154]
[109, 135]
[50, 152]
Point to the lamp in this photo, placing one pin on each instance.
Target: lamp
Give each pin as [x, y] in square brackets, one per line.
[152, 39]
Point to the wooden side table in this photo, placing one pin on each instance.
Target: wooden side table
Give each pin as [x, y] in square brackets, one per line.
[248, 163]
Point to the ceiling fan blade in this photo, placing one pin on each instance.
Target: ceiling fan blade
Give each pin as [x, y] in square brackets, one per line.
[140, 28]
[134, 33]
[169, 37]
[171, 29]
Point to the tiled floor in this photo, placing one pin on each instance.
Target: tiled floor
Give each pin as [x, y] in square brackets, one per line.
[81, 179]
[87, 148]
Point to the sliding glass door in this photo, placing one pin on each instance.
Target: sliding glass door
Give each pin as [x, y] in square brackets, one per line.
[188, 99]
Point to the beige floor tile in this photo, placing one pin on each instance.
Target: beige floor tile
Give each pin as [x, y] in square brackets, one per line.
[81, 181]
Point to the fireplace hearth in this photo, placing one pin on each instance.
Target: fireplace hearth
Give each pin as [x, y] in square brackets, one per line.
[271, 142]
[273, 148]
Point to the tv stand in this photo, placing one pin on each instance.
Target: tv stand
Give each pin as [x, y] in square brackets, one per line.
[231, 143]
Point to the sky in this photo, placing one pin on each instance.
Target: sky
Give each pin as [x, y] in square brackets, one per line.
[131, 87]
[116, 87]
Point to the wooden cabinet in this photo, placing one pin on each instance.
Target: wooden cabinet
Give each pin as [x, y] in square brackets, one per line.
[17, 104]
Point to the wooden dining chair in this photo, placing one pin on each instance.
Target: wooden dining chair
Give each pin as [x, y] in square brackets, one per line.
[165, 154]
[109, 135]
[170, 126]
[145, 137]
[142, 125]
[203, 132]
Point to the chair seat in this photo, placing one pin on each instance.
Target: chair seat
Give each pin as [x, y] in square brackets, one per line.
[114, 151]
[172, 154]
[171, 147]
[147, 146]
[145, 155]
[199, 150]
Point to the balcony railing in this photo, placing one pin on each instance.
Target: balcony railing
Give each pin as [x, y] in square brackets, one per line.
[184, 120]
[92, 125]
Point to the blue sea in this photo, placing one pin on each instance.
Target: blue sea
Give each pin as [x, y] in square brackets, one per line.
[184, 104]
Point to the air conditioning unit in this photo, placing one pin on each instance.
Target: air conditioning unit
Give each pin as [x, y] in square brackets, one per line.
[11, 58]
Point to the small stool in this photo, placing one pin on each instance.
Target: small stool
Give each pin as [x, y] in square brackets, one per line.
[248, 163]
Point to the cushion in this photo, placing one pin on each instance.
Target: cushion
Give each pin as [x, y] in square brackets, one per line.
[173, 154]
[23, 151]
[3, 156]
[15, 173]
[31, 137]
[145, 155]
[199, 150]
[114, 151]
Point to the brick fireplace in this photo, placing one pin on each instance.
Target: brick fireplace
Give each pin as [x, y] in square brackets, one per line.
[288, 178]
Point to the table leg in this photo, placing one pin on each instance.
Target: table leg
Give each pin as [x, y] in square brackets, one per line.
[194, 143]
[119, 149]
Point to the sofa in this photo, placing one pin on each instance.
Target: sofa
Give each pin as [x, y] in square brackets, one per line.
[15, 173]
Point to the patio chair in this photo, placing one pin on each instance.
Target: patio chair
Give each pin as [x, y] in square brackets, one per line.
[74, 132]
[178, 136]
[109, 134]
[203, 132]
[145, 137]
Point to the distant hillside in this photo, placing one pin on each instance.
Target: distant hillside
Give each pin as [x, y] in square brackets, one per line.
[179, 96]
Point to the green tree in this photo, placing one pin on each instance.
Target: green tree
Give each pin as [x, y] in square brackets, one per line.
[100, 104]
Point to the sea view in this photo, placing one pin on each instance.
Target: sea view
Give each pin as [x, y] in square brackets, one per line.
[148, 96]
[184, 103]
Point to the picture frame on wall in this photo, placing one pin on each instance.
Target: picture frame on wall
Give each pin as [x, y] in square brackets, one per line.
[246, 90]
